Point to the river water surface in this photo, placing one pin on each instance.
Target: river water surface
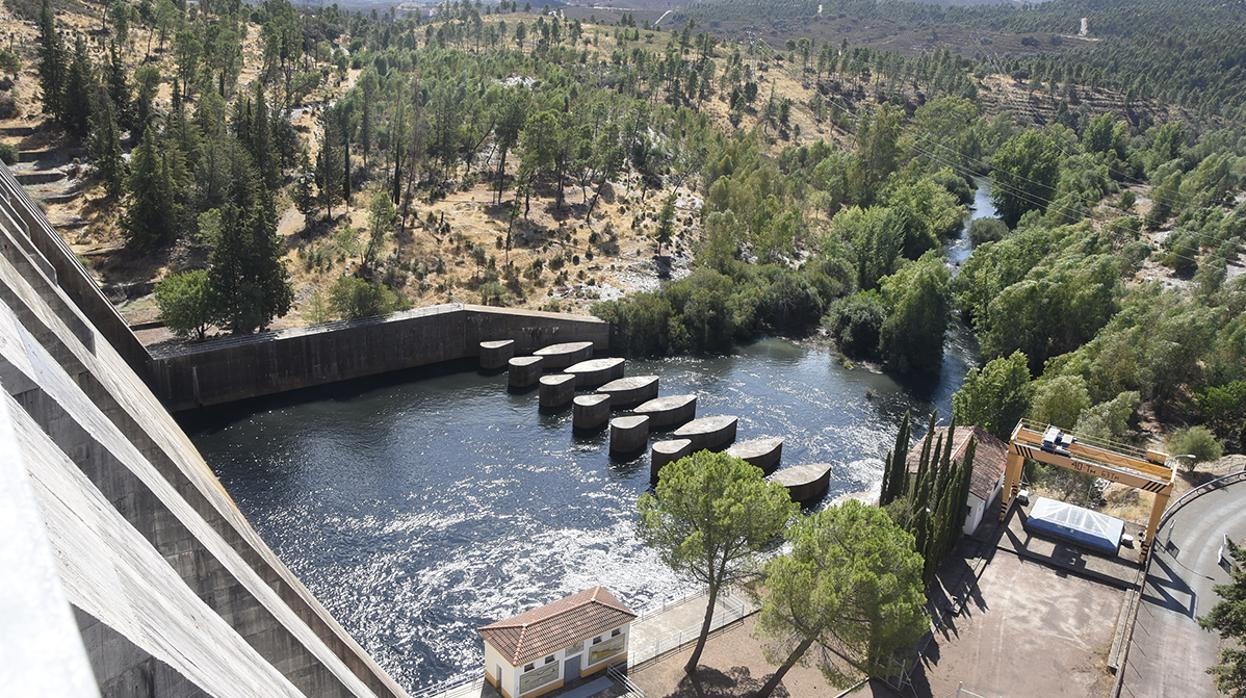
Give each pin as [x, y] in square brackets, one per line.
[420, 506]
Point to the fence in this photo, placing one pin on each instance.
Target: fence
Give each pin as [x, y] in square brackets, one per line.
[633, 691]
[728, 610]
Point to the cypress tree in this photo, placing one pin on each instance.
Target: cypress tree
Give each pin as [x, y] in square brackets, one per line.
[51, 62]
[895, 469]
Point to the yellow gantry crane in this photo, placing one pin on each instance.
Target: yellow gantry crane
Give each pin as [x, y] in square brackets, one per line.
[1141, 469]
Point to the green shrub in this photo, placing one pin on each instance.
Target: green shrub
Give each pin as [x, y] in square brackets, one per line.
[855, 321]
[8, 154]
[185, 303]
[1194, 445]
[986, 230]
[352, 298]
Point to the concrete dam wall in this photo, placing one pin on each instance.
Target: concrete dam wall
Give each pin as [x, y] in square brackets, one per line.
[127, 568]
[227, 370]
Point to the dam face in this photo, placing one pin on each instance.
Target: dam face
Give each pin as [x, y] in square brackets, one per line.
[133, 571]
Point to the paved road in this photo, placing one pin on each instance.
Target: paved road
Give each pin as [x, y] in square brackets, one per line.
[1170, 653]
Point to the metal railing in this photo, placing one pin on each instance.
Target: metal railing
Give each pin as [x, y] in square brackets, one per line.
[730, 610]
[633, 691]
[462, 689]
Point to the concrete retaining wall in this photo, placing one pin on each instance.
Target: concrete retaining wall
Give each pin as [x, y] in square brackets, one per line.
[227, 370]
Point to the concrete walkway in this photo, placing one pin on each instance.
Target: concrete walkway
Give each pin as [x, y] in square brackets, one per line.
[675, 624]
[1169, 653]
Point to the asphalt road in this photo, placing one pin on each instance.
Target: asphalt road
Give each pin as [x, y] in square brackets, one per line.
[1170, 653]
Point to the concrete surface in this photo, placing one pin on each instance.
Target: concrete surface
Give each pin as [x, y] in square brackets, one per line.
[732, 666]
[764, 453]
[1169, 653]
[669, 411]
[1026, 630]
[712, 433]
[590, 412]
[564, 354]
[557, 391]
[596, 372]
[524, 371]
[628, 434]
[664, 452]
[173, 593]
[630, 391]
[495, 353]
[1120, 570]
[219, 371]
[804, 483]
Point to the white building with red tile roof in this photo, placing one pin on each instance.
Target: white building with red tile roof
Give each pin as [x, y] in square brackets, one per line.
[544, 649]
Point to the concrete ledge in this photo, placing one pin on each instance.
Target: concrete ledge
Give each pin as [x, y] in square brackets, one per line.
[664, 452]
[557, 390]
[628, 434]
[763, 453]
[596, 372]
[669, 411]
[709, 433]
[495, 353]
[219, 371]
[630, 391]
[524, 372]
[559, 356]
[804, 483]
[590, 412]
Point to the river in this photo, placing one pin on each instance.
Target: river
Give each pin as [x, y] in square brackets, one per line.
[420, 506]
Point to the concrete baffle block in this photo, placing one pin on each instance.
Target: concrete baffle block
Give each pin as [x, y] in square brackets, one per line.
[804, 483]
[630, 391]
[557, 390]
[525, 371]
[763, 453]
[664, 452]
[495, 353]
[628, 434]
[596, 372]
[668, 411]
[590, 412]
[560, 356]
[709, 433]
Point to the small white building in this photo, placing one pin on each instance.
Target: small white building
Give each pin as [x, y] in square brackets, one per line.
[543, 649]
[987, 480]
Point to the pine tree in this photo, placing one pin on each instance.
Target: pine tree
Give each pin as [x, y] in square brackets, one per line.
[328, 167]
[78, 93]
[119, 89]
[260, 141]
[106, 145]
[151, 210]
[248, 282]
[52, 60]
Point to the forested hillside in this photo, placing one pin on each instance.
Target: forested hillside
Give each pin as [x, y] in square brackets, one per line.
[267, 165]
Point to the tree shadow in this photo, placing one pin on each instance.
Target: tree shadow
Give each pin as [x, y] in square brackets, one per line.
[736, 682]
